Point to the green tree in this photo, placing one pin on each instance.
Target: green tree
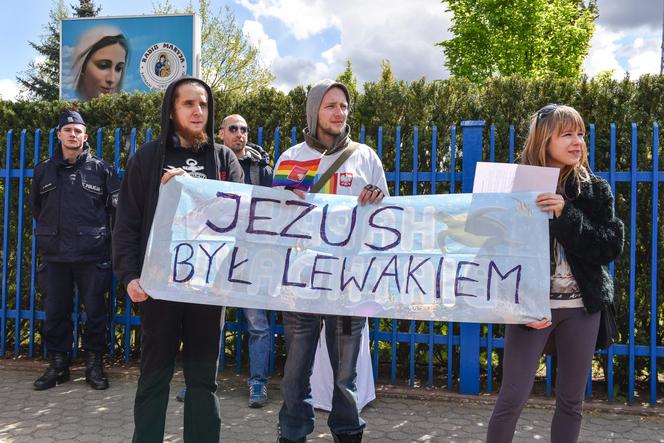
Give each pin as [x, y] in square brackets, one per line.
[41, 79]
[86, 8]
[347, 77]
[229, 62]
[532, 38]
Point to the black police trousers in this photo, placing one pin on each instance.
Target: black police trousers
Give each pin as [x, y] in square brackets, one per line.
[92, 280]
[164, 324]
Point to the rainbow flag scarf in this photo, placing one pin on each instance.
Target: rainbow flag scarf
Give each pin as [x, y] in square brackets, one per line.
[331, 186]
[296, 174]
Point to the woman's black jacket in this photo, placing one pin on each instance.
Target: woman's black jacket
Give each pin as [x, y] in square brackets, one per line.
[592, 236]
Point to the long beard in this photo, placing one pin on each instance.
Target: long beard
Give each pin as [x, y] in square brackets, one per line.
[197, 139]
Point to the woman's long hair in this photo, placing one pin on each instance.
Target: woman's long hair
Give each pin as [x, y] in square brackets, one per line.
[547, 122]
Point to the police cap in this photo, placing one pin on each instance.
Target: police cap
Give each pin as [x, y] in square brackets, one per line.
[69, 118]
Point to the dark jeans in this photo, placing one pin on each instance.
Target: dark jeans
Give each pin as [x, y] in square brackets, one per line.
[575, 333]
[164, 325]
[57, 281]
[296, 417]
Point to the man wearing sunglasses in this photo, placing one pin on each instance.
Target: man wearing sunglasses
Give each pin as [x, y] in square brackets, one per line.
[255, 162]
[234, 133]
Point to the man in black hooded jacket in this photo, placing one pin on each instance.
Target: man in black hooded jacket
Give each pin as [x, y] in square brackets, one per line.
[185, 146]
[255, 162]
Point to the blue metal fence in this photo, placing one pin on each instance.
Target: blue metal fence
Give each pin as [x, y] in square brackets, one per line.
[474, 345]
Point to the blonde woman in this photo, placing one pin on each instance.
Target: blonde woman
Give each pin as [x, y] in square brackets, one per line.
[585, 235]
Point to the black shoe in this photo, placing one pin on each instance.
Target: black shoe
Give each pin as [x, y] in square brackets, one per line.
[94, 371]
[347, 438]
[281, 439]
[56, 373]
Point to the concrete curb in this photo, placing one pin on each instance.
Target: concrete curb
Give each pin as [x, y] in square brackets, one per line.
[230, 379]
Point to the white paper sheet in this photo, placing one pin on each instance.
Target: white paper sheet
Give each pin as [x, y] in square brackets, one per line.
[509, 177]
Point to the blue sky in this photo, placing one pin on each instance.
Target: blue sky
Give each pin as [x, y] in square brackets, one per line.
[305, 40]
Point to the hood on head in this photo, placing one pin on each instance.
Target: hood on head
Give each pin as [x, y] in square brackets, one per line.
[167, 127]
[257, 153]
[314, 99]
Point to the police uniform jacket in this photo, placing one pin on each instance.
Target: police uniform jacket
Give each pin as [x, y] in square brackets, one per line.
[73, 204]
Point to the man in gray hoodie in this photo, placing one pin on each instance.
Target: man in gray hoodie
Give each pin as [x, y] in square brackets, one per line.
[327, 137]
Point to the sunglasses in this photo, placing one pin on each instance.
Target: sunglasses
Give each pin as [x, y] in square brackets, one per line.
[235, 128]
[546, 111]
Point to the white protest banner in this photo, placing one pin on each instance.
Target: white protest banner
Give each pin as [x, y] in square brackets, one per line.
[459, 257]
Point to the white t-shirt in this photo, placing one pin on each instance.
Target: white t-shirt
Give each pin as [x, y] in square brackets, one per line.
[362, 168]
[565, 292]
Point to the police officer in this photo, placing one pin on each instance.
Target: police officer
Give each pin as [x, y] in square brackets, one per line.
[73, 196]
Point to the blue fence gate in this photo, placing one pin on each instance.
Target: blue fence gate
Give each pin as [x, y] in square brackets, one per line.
[471, 350]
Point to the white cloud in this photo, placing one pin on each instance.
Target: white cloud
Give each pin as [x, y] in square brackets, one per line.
[8, 89]
[369, 32]
[332, 54]
[292, 71]
[256, 35]
[302, 18]
[604, 48]
[645, 57]
[636, 52]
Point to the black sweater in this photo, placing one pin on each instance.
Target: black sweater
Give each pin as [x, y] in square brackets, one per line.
[592, 236]
[140, 188]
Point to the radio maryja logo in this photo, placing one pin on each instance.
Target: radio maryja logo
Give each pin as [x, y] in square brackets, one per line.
[162, 63]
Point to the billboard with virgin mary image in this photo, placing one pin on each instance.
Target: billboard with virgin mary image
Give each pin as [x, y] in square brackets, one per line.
[105, 55]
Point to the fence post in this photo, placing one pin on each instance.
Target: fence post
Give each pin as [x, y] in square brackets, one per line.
[469, 334]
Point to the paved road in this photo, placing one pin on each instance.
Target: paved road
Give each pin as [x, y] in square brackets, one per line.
[73, 412]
